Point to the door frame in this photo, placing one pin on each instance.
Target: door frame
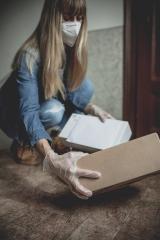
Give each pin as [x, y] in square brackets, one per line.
[129, 69]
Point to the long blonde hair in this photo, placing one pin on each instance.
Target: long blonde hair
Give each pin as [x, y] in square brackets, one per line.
[47, 40]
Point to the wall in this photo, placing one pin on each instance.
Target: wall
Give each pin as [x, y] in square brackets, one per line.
[105, 22]
[105, 68]
[18, 19]
[104, 14]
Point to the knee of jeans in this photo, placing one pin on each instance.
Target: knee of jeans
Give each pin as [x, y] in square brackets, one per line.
[51, 112]
[88, 87]
[82, 96]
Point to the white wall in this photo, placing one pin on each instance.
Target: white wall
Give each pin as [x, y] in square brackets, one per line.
[17, 21]
[104, 14]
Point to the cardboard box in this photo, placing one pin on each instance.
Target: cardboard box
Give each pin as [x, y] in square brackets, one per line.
[122, 164]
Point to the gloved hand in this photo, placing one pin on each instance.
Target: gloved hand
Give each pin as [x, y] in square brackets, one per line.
[64, 166]
[94, 110]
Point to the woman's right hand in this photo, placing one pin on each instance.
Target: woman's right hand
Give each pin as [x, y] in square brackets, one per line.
[65, 167]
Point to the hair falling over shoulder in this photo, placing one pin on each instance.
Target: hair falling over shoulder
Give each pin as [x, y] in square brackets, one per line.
[46, 40]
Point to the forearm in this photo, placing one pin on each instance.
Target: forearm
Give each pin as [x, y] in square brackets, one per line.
[43, 146]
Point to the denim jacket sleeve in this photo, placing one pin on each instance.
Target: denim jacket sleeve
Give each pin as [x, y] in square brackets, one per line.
[28, 98]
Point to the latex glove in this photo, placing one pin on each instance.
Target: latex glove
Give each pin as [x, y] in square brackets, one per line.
[94, 110]
[65, 167]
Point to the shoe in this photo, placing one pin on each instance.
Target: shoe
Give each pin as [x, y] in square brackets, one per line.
[25, 154]
[54, 131]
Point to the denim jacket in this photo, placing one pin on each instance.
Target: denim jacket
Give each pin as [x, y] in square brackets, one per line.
[20, 99]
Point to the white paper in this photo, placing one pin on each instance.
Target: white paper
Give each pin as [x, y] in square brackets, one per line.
[90, 131]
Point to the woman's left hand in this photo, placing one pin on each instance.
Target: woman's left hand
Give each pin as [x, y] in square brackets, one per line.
[95, 110]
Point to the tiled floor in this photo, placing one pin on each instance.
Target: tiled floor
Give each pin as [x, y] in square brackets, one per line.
[36, 206]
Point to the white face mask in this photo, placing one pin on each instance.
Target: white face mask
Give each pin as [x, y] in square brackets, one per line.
[70, 31]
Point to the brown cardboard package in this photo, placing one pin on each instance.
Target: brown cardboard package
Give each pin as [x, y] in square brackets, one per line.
[123, 164]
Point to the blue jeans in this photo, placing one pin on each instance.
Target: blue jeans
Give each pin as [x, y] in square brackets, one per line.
[56, 112]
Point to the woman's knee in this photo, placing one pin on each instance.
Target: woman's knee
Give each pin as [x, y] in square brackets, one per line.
[51, 112]
[87, 87]
[82, 95]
